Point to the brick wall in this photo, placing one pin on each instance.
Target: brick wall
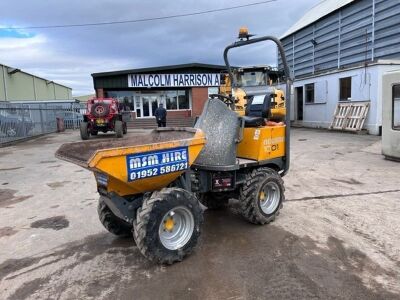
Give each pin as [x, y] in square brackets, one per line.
[100, 93]
[199, 97]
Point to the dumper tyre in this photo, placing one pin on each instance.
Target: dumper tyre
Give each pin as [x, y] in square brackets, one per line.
[261, 196]
[215, 201]
[167, 226]
[84, 131]
[112, 223]
[119, 131]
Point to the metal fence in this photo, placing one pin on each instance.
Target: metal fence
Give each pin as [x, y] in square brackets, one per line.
[23, 120]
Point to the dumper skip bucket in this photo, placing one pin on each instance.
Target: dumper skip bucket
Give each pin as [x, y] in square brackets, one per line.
[137, 163]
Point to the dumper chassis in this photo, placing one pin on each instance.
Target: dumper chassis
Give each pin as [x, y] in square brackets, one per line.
[152, 186]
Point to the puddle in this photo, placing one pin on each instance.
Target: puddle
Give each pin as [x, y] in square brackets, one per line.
[7, 197]
[234, 260]
[7, 231]
[57, 184]
[55, 223]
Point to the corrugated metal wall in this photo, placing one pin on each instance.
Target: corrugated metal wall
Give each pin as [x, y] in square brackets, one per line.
[362, 31]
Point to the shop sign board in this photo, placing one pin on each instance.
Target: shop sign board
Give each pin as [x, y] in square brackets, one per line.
[173, 80]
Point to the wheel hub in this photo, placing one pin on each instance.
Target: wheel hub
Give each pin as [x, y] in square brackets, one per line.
[169, 224]
[269, 197]
[176, 228]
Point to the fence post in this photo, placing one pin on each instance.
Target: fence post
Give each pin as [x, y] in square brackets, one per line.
[41, 118]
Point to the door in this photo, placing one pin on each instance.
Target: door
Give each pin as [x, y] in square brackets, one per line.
[149, 105]
[391, 116]
[299, 99]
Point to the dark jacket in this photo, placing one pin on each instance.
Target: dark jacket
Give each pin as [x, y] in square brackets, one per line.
[161, 114]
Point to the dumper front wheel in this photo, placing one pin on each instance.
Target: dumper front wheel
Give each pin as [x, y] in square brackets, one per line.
[167, 226]
[111, 222]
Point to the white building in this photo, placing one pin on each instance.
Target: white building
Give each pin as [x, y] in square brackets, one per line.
[339, 51]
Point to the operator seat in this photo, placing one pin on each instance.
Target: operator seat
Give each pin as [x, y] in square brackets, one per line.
[257, 110]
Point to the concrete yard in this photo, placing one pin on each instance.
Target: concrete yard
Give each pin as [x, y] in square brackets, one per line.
[337, 236]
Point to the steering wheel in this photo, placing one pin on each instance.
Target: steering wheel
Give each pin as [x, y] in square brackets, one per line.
[226, 99]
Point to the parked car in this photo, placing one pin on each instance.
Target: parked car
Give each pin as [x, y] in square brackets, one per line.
[15, 125]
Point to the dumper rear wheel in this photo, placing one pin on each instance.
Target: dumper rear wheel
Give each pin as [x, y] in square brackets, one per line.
[111, 222]
[119, 131]
[261, 196]
[84, 131]
[167, 226]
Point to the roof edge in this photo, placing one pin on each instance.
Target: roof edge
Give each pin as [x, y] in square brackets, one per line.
[316, 13]
[160, 68]
[30, 74]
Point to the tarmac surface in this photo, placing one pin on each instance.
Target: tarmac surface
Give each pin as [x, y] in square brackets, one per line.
[336, 237]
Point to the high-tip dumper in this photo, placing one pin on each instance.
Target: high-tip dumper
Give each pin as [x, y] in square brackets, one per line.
[151, 185]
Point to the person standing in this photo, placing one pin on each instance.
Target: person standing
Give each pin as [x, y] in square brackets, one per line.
[161, 116]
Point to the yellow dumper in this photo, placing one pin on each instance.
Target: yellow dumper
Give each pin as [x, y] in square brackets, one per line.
[152, 184]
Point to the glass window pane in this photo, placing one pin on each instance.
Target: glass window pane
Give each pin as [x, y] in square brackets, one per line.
[171, 99]
[396, 107]
[345, 88]
[124, 97]
[309, 93]
[183, 100]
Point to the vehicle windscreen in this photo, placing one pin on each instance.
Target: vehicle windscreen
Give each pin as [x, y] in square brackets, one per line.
[256, 78]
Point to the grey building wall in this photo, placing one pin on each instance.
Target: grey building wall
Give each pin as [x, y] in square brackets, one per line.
[363, 31]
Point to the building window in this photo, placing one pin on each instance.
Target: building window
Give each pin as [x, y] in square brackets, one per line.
[309, 89]
[396, 107]
[124, 97]
[171, 99]
[345, 89]
[183, 100]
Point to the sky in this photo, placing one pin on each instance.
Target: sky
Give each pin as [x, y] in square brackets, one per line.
[70, 55]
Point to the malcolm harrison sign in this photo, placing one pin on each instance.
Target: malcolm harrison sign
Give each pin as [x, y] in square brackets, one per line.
[173, 80]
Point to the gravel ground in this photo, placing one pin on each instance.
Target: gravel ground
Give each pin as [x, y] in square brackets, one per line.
[337, 235]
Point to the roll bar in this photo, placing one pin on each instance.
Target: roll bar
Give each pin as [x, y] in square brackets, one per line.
[242, 43]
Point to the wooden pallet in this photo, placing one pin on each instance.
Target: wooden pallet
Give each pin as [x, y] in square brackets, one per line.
[350, 116]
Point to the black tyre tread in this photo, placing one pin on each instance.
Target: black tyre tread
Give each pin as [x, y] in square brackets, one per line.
[125, 128]
[215, 201]
[248, 193]
[143, 220]
[118, 126]
[111, 222]
[84, 130]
